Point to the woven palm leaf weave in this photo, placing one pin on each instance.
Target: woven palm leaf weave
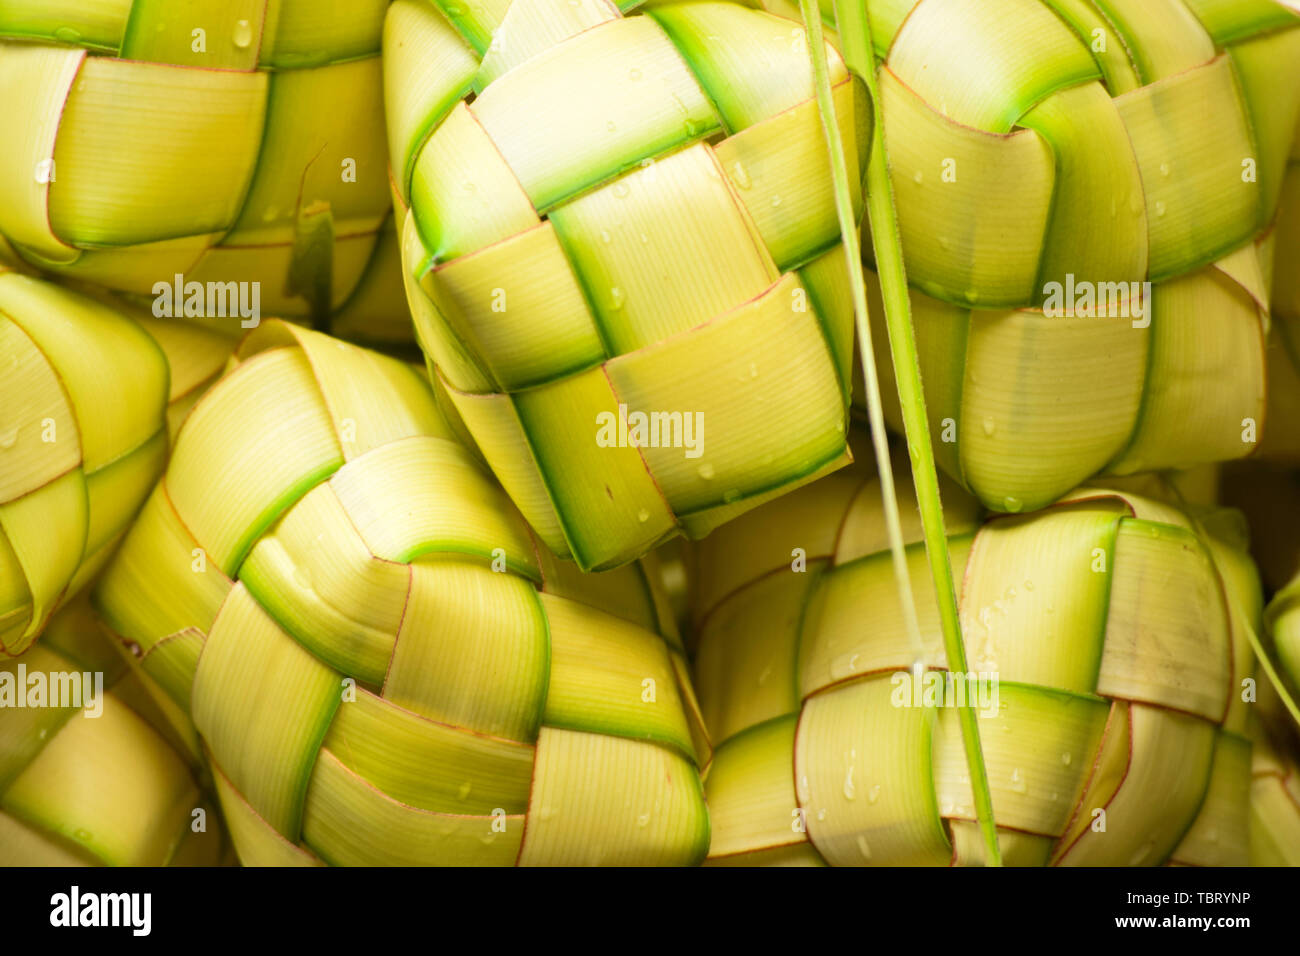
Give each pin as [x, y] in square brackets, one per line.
[88, 394]
[1275, 808]
[634, 212]
[222, 141]
[112, 785]
[1116, 734]
[382, 664]
[1275, 784]
[1084, 143]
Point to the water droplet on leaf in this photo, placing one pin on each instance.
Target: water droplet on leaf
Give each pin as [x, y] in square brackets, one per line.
[740, 175]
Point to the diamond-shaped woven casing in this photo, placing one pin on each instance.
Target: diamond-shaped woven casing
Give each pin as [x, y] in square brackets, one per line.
[1114, 732]
[222, 140]
[87, 394]
[95, 779]
[1089, 143]
[625, 216]
[383, 666]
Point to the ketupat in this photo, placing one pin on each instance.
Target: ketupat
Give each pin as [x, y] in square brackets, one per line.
[225, 142]
[174, 674]
[1275, 784]
[1056, 141]
[1274, 808]
[88, 395]
[383, 666]
[632, 216]
[111, 786]
[1094, 627]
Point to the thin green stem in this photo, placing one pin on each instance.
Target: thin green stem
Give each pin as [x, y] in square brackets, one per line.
[853, 255]
[855, 39]
[1266, 662]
